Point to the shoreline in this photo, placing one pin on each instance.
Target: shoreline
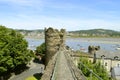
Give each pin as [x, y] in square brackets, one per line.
[90, 40]
[99, 40]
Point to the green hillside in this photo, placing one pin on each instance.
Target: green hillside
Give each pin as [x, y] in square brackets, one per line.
[96, 33]
[78, 33]
[29, 31]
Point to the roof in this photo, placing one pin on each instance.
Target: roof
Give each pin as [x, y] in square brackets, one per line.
[108, 54]
[116, 71]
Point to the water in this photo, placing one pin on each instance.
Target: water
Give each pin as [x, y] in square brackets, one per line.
[76, 44]
[33, 43]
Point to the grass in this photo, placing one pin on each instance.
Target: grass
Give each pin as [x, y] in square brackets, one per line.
[36, 76]
[31, 78]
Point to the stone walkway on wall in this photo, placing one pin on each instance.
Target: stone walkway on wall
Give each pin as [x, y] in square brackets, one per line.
[62, 70]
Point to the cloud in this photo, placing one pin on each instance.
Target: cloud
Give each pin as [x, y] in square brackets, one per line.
[40, 22]
[37, 14]
[23, 3]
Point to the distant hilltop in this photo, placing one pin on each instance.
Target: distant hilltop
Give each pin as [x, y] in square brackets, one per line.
[95, 33]
[39, 33]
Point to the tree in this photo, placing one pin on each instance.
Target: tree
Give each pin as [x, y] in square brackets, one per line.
[40, 53]
[40, 49]
[100, 71]
[97, 68]
[13, 50]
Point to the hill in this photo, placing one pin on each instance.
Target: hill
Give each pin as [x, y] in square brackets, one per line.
[95, 33]
[29, 31]
[39, 33]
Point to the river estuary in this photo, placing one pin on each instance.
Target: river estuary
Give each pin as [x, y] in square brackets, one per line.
[109, 44]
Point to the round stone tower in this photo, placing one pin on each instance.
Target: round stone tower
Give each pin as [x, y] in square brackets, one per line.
[54, 39]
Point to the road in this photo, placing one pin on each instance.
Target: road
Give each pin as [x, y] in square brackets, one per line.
[35, 69]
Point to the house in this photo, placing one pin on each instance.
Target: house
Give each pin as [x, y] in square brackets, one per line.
[107, 58]
[115, 73]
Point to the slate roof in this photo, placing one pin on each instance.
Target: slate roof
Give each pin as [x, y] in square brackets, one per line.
[107, 54]
[117, 71]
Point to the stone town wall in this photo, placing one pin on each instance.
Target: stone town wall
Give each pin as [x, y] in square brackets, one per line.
[54, 39]
[49, 69]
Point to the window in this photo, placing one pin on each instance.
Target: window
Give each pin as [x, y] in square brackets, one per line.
[118, 65]
[105, 63]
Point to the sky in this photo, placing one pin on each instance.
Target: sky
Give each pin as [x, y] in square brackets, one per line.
[68, 14]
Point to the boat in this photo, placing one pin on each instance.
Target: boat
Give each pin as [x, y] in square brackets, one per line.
[118, 48]
[82, 49]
